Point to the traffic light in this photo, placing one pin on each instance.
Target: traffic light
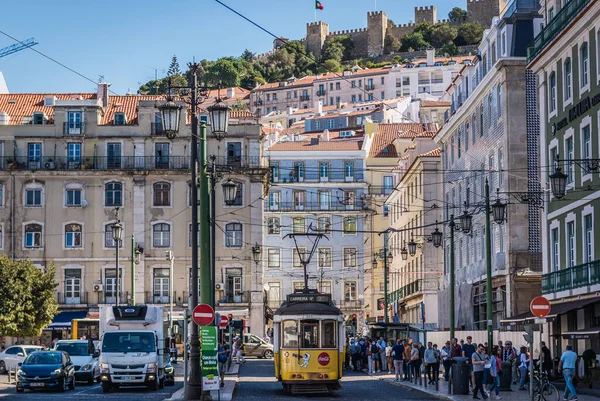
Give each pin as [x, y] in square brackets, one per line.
[229, 317]
[368, 315]
[354, 319]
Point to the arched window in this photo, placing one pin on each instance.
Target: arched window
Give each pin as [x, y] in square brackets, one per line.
[33, 235]
[161, 235]
[162, 194]
[238, 194]
[568, 78]
[113, 194]
[233, 235]
[584, 62]
[34, 195]
[73, 236]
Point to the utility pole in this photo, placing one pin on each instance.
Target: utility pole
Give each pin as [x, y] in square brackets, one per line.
[452, 284]
[385, 282]
[488, 259]
[132, 297]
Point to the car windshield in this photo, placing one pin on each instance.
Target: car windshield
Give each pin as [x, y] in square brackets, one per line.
[29, 350]
[73, 349]
[46, 358]
[128, 342]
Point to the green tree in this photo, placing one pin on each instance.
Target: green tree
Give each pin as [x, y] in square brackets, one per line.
[333, 50]
[330, 66]
[469, 34]
[348, 43]
[247, 55]
[413, 41]
[174, 67]
[391, 44]
[225, 72]
[424, 28]
[28, 303]
[450, 49]
[442, 34]
[457, 16]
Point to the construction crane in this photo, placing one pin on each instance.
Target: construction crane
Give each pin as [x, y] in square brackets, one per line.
[17, 47]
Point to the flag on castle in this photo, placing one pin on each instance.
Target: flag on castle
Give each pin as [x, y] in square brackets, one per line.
[318, 5]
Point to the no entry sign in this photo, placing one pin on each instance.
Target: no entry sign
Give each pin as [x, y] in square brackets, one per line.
[540, 307]
[203, 315]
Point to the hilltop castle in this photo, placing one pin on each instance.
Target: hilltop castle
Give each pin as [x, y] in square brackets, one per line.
[368, 42]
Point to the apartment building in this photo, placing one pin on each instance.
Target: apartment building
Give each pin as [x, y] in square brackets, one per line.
[414, 209]
[565, 62]
[68, 162]
[483, 140]
[317, 187]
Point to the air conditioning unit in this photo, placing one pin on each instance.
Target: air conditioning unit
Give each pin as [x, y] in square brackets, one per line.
[98, 287]
[219, 286]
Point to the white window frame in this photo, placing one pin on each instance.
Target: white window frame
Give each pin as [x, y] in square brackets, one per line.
[111, 267]
[274, 200]
[585, 122]
[344, 233]
[170, 224]
[329, 252]
[42, 242]
[296, 260]
[569, 169]
[552, 93]
[554, 247]
[104, 244]
[324, 167]
[355, 262]
[273, 251]
[226, 235]
[353, 298]
[278, 234]
[122, 193]
[34, 186]
[570, 219]
[584, 87]
[567, 100]
[170, 205]
[64, 236]
[1, 236]
[74, 186]
[588, 240]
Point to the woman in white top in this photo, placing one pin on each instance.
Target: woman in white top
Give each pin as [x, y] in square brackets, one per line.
[388, 357]
[523, 367]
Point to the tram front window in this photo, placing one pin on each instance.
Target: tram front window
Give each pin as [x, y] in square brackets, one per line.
[290, 334]
[329, 334]
[310, 333]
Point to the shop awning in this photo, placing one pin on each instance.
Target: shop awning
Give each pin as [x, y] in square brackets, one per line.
[555, 311]
[63, 319]
[582, 334]
[237, 313]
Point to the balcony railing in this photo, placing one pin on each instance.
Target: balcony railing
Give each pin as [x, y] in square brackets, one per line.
[437, 80]
[309, 207]
[350, 304]
[80, 298]
[96, 163]
[72, 128]
[405, 291]
[554, 27]
[370, 87]
[321, 93]
[424, 82]
[179, 298]
[571, 278]
[241, 161]
[230, 297]
[380, 190]
[304, 98]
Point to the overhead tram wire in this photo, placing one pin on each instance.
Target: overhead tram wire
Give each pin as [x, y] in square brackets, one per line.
[55, 61]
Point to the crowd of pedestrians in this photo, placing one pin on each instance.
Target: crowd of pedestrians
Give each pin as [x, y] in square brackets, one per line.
[407, 359]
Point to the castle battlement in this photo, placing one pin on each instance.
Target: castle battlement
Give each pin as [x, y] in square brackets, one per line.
[425, 8]
[317, 23]
[374, 13]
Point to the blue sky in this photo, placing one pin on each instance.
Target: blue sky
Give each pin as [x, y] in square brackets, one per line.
[126, 40]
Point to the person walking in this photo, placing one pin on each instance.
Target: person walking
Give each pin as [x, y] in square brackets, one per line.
[363, 354]
[239, 356]
[398, 357]
[487, 367]
[376, 368]
[495, 371]
[432, 367]
[407, 355]
[523, 367]
[415, 362]
[545, 359]
[223, 357]
[354, 350]
[566, 366]
[478, 362]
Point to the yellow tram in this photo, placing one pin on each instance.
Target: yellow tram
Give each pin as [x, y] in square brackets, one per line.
[309, 343]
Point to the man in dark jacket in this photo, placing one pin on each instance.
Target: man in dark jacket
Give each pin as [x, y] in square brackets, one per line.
[546, 359]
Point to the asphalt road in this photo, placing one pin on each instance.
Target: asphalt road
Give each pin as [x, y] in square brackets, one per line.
[86, 392]
[257, 383]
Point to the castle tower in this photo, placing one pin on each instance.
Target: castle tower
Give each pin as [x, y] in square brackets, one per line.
[377, 23]
[426, 14]
[484, 11]
[316, 33]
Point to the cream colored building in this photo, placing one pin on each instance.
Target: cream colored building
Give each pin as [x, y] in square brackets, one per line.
[414, 208]
[69, 160]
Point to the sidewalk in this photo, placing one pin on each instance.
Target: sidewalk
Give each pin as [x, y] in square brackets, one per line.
[442, 392]
[225, 393]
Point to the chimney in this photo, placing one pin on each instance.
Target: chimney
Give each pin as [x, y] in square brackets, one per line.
[326, 135]
[430, 56]
[320, 108]
[103, 93]
[230, 92]
[290, 111]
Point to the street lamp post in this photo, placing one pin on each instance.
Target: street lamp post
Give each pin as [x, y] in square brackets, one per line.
[488, 275]
[219, 113]
[117, 233]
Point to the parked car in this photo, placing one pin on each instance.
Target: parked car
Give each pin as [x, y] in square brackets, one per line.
[46, 370]
[85, 360]
[12, 356]
[255, 346]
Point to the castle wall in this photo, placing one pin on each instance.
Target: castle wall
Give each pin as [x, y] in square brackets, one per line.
[426, 14]
[358, 36]
[398, 31]
[377, 23]
[483, 11]
[316, 33]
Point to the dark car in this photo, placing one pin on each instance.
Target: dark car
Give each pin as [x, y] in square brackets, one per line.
[46, 370]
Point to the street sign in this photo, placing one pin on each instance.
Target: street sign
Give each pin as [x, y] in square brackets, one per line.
[203, 315]
[209, 366]
[540, 307]
[223, 321]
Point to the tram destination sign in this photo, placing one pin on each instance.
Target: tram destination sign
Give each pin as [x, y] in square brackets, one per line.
[309, 298]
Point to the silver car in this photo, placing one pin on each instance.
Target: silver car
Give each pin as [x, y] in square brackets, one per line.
[12, 356]
[256, 346]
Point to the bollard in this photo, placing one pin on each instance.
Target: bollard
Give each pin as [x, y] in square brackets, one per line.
[437, 383]
[426, 378]
[450, 381]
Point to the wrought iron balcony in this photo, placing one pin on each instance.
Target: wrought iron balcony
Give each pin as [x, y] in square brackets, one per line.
[80, 298]
[240, 162]
[405, 291]
[230, 297]
[370, 87]
[321, 92]
[304, 98]
[179, 298]
[73, 128]
[554, 27]
[380, 190]
[334, 205]
[571, 278]
[96, 163]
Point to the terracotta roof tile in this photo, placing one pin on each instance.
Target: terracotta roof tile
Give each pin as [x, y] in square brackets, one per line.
[433, 153]
[321, 146]
[127, 105]
[305, 81]
[386, 134]
[19, 105]
[434, 103]
[366, 71]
